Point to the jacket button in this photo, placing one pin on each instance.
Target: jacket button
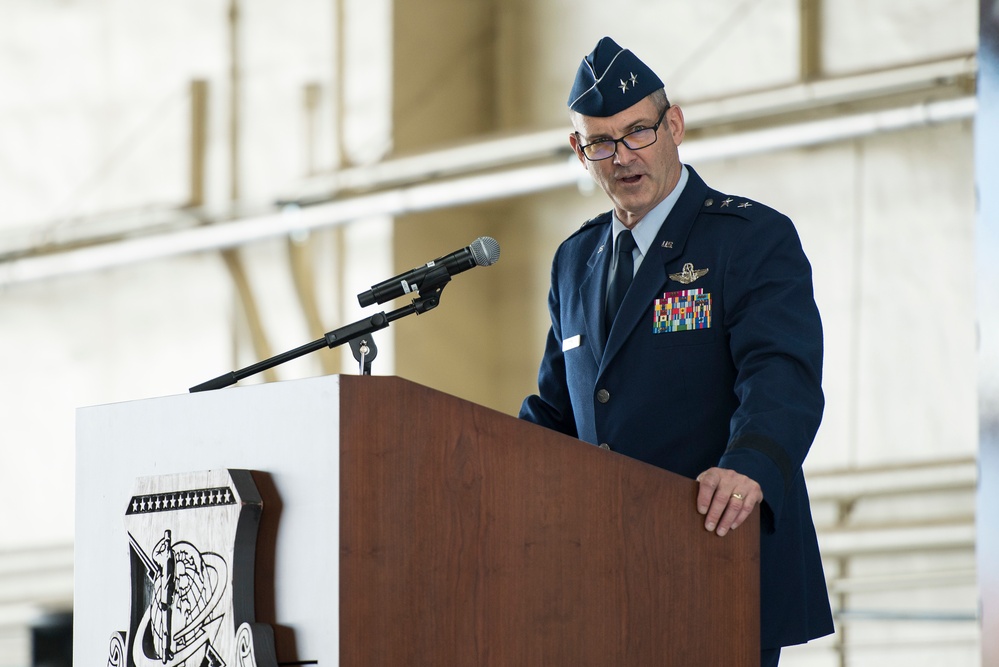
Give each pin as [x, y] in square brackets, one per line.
[604, 445]
[603, 395]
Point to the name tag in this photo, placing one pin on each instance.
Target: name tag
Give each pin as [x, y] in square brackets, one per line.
[571, 343]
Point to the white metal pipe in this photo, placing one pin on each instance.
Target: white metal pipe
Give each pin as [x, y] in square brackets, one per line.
[839, 543]
[500, 151]
[461, 191]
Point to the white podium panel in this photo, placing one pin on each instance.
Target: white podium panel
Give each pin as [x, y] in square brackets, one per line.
[288, 430]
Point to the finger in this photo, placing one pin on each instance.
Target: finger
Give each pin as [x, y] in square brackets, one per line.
[743, 515]
[709, 481]
[715, 487]
[719, 504]
[735, 510]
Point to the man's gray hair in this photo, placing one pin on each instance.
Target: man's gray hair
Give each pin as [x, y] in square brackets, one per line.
[659, 99]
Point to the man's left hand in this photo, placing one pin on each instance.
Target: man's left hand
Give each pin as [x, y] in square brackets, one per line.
[727, 498]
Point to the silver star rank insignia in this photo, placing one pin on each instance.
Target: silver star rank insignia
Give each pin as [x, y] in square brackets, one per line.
[623, 86]
[688, 275]
[726, 202]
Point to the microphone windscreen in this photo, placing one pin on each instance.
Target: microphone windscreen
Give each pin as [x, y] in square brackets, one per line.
[485, 251]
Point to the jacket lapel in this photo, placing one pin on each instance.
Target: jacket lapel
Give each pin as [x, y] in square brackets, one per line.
[651, 275]
[591, 295]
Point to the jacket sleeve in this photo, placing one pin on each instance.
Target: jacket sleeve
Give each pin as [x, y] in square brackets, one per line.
[551, 407]
[776, 345]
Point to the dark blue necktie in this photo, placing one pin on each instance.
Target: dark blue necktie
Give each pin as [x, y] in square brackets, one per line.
[620, 279]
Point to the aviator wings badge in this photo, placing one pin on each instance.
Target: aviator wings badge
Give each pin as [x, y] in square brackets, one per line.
[688, 275]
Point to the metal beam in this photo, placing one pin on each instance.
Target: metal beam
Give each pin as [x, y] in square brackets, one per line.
[931, 81]
[810, 38]
[460, 191]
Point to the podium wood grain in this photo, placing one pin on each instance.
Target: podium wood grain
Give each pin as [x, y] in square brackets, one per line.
[469, 537]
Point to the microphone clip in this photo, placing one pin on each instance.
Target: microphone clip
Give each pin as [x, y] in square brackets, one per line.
[430, 291]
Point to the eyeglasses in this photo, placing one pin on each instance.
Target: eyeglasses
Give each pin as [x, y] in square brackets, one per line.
[641, 138]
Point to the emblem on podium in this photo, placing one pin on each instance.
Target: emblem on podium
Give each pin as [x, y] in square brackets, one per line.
[192, 542]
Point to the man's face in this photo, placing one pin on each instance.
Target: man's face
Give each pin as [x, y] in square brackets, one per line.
[635, 180]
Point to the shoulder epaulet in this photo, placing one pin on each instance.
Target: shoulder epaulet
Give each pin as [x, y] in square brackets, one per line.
[717, 202]
[593, 223]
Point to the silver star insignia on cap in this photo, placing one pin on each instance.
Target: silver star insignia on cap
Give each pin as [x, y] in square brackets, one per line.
[688, 275]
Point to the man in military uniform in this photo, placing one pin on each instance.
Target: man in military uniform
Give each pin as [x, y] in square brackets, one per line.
[685, 334]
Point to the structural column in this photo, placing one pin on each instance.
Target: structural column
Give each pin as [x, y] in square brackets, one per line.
[987, 250]
[445, 91]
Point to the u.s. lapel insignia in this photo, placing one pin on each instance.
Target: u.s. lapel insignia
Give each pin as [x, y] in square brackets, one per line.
[667, 244]
[688, 275]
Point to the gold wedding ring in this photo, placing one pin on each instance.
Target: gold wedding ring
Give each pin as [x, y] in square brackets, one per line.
[738, 496]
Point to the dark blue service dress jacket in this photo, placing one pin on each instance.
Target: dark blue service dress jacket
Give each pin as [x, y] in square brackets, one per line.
[715, 359]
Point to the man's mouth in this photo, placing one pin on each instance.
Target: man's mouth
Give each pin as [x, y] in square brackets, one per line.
[631, 180]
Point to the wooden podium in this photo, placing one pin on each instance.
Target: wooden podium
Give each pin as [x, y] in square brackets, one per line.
[403, 526]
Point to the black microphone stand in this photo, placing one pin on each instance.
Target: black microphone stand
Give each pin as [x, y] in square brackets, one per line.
[365, 351]
[428, 299]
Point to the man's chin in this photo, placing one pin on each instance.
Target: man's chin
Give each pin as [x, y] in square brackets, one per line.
[632, 203]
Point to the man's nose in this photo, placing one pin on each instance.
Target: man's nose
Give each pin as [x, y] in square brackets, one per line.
[623, 155]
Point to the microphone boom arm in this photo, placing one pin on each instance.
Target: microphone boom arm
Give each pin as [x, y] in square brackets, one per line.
[428, 299]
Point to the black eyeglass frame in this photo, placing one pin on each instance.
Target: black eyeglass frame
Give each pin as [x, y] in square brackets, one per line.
[623, 140]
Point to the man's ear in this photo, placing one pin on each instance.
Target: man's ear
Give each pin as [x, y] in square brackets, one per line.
[674, 120]
[574, 142]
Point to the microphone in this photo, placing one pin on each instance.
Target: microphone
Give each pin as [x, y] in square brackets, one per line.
[483, 251]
